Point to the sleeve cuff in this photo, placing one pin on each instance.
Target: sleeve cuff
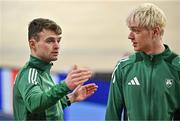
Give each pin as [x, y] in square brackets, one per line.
[65, 86]
[68, 101]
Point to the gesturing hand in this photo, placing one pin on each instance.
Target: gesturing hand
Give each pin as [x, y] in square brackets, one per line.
[77, 77]
[82, 92]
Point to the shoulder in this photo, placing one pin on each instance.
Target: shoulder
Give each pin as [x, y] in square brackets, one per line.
[128, 60]
[27, 74]
[176, 62]
[122, 64]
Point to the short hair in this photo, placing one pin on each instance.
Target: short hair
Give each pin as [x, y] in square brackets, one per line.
[37, 25]
[149, 16]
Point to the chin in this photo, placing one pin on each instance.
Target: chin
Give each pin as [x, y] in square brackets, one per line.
[136, 49]
[54, 59]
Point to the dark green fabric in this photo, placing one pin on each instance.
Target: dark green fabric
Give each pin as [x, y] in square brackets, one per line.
[35, 95]
[148, 86]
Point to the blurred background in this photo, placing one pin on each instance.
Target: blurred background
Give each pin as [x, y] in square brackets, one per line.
[94, 36]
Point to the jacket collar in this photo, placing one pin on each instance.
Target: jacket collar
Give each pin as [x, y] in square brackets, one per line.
[157, 57]
[40, 64]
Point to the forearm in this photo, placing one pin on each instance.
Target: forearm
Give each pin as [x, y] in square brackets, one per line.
[39, 101]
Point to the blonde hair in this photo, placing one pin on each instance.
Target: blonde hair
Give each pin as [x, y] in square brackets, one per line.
[149, 16]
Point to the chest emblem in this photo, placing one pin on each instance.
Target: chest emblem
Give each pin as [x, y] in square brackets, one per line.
[169, 82]
[134, 81]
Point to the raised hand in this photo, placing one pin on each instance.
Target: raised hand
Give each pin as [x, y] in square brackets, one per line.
[77, 77]
[82, 92]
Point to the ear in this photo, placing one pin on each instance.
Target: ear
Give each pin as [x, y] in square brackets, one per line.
[156, 31]
[32, 43]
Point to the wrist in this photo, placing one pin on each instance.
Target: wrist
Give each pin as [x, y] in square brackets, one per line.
[68, 101]
[68, 84]
[70, 97]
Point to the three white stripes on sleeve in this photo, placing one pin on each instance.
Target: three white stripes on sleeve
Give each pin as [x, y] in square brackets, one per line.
[32, 76]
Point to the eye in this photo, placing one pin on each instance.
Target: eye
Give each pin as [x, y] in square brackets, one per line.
[135, 30]
[59, 39]
[50, 40]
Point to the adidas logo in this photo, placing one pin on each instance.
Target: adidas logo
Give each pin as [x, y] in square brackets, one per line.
[134, 81]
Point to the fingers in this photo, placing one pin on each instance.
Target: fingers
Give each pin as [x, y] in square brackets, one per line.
[80, 78]
[74, 67]
[81, 92]
[77, 76]
[90, 88]
[79, 73]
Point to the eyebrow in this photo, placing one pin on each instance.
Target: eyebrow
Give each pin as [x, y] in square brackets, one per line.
[59, 37]
[54, 37]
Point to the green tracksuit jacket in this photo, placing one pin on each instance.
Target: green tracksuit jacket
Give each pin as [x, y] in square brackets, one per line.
[35, 96]
[147, 86]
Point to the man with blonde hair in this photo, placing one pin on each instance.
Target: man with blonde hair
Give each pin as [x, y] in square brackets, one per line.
[146, 83]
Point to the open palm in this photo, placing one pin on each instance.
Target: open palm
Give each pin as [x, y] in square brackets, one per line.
[83, 91]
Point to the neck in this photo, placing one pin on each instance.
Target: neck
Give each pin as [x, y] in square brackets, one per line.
[39, 57]
[157, 49]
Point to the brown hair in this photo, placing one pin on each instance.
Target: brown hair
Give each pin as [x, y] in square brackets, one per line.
[37, 25]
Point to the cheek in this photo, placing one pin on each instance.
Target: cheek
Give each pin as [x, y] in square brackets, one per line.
[43, 48]
[143, 38]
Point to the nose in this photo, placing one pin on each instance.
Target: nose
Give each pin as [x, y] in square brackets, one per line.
[56, 45]
[131, 36]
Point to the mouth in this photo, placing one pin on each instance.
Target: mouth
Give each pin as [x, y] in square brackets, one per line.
[55, 53]
[134, 44]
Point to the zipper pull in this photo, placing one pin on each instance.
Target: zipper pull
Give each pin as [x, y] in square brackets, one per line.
[151, 57]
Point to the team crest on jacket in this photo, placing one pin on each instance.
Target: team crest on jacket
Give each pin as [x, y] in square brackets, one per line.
[169, 82]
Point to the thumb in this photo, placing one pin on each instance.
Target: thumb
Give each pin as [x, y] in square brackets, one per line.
[74, 67]
[77, 88]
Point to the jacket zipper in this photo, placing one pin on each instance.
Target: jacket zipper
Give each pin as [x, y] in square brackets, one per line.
[150, 88]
